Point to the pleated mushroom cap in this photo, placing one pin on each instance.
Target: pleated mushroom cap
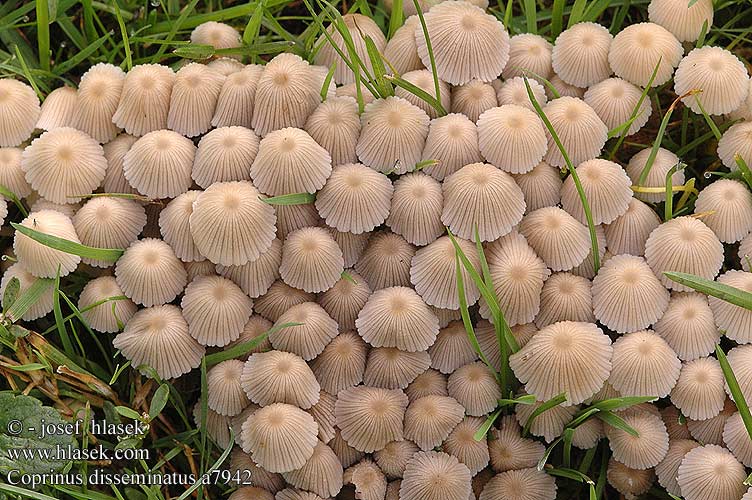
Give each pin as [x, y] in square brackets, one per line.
[580, 129]
[397, 317]
[290, 161]
[514, 92]
[528, 54]
[323, 414]
[467, 43]
[392, 135]
[580, 54]
[280, 437]
[735, 141]
[614, 100]
[588, 434]
[216, 310]
[64, 164]
[158, 338]
[710, 431]
[483, 197]
[393, 458]
[637, 50]
[401, 50]
[199, 268]
[452, 348]
[685, 245]
[345, 299]
[251, 493]
[390, 368]
[311, 260]
[509, 450]
[145, 99]
[358, 26]
[149, 273]
[308, 339]
[279, 298]
[629, 232]
[386, 261]
[607, 189]
[429, 420]
[431, 475]
[175, 228]
[739, 358]
[522, 484]
[67, 209]
[350, 90]
[745, 252]
[223, 155]
[664, 161]
[626, 294]
[643, 364]
[218, 35]
[541, 186]
[230, 225]
[548, 425]
[676, 425]
[352, 245]
[462, 445]
[428, 383]
[445, 316]
[720, 75]
[242, 461]
[321, 474]
[512, 138]
[45, 302]
[370, 417]
[699, 392]
[563, 89]
[728, 205]
[735, 321]
[688, 326]
[19, 109]
[684, 21]
[159, 164]
[565, 297]
[643, 451]
[217, 426]
[347, 455]
[369, 482]
[668, 468]
[57, 109]
[293, 494]
[11, 173]
[737, 440]
[114, 152]
[335, 125]
[97, 100]
[103, 317]
[108, 222]
[279, 377]
[557, 237]
[415, 211]
[711, 472]
[225, 393]
[627, 481]
[193, 99]
[40, 260]
[474, 387]
[473, 98]
[355, 198]
[292, 217]
[453, 143]
[341, 364]
[423, 79]
[236, 98]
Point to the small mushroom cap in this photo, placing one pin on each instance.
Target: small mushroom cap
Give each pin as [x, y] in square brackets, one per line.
[563, 89]
[548, 425]
[739, 358]
[431, 475]
[199, 268]
[323, 413]
[321, 474]
[676, 425]
[737, 440]
[58, 108]
[745, 252]
[637, 50]
[159, 164]
[279, 377]
[644, 451]
[629, 232]
[423, 79]
[429, 420]
[522, 484]
[217, 426]
[236, 99]
[194, 97]
[580, 54]
[710, 431]
[175, 228]
[627, 481]
[607, 189]
[358, 26]
[216, 310]
[699, 391]
[735, 141]
[720, 75]
[415, 211]
[668, 468]
[401, 50]
[108, 222]
[643, 364]
[11, 173]
[242, 461]
[251, 493]
[311, 260]
[19, 109]
[64, 164]
[614, 100]
[350, 90]
[473, 98]
[40, 260]
[557, 237]
[224, 155]
[684, 21]
[453, 143]
[685, 245]
[386, 261]
[145, 99]
[474, 387]
[218, 35]
[528, 54]
[370, 417]
[342, 363]
[512, 138]
[225, 393]
[452, 348]
[103, 317]
[158, 338]
[509, 450]
[428, 383]
[688, 326]
[514, 91]
[393, 458]
[711, 472]
[390, 368]
[45, 303]
[114, 151]
[735, 321]
[664, 161]
[279, 298]
[97, 100]
[728, 205]
[345, 299]
[368, 480]
[293, 217]
[541, 186]
[580, 130]
[352, 245]
[462, 444]
[307, 339]
[565, 297]
[347, 455]
[335, 125]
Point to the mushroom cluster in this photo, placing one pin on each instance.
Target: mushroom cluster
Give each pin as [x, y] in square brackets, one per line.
[334, 238]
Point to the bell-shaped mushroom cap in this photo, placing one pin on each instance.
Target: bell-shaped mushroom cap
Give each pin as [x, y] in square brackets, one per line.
[699, 391]
[397, 317]
[433, 273]
[279, 298]
[541, 186]
[467, 43]
[453, 143]
[342, 363]
[97, 100]
[216, 310]
[290, 161]
[480, 196]
[107, 316]
[350, 90]
[710, 431]
[108, 222]
[40, 260]
[401, 50]
[11, 173]
[225, 393]
[627, 481]
[529, 55]
[236, 99]
[474, 386]
[432, 475]
[251, 493]
[36, 204]
[199, 268]
[392, 136]
[550, 424]
[473, 98]
[358, 26]
[557, 237]
[514, 92]
[728, 205]
[280, 437]
[563, 89]
[335, 125]
[369, 482]
[64, 164]
[390, 368]
[393, 458]
[735, 141]
[225, 65]
[423, 79]
[522, 484]
[446, 316]
[740, 358]
[386, 261]
[321, 474]
[323, 414]
[656, 178]
[158, 338]
[293, 494]
[643, 364]
[735, 321]
[580, 54]
[685, 245]
[688, 326]
[352, 245]
[175, 228]
[194, 96]
[145, 99]
[253, 328]
[711, 472]
[58, 109]
[311, 260]
[629, 232]
[637, 50]
[580, 130]
[345, 299]
[430, 419]
[462, 445]
[428, 383]
[415, 211]
[643, 451]
[218, 35]
[370, 417]
[243, 462]
[287, 93]
[676, 424]
[668, 468]
[509, 450]
[279, 377]
[44, 304]
[355, 198]
[159, 164]
[720, 75]
[307, 339]
[565, 297]
[452, 348]
[745, 252]
[217, 426]
[588, 434]
[292, 217]
[614, 100]
[223, 155]
[566, 357]
[230, 225]
[626, 294]
[114, 152]
[149, 273]
[347, 455]
[19, 111]
[607, 189]
[684, 21]
[737, 439]
[512, 138]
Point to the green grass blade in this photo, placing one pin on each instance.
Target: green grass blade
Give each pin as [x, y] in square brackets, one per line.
[245, 347]
[578, 9]
[59, 323]
[722, 291]
[290, 199]
[124, 35]
[28, 298]
[379, 71]
[744, 169]
[10, 195]
[635, 112]
[11, 293]
[429, 48]
[668, 209]
[396, 19]
[67, 246]
[529, 8]
[551, 403]
[557, 18]
[214, 467]
[43, 33]
[483, 430]
[616, 421]
[418, 92]
[736, 391]
[327, 82]
[711, 124]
